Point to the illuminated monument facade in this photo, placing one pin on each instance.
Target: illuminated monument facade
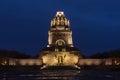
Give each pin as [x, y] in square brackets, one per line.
[60, 50]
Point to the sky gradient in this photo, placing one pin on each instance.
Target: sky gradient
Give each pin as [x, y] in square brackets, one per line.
[24, 24]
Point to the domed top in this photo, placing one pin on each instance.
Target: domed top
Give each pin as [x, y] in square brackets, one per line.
[60, 21]
[59, 14]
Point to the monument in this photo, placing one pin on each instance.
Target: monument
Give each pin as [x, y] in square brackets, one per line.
[60, 50]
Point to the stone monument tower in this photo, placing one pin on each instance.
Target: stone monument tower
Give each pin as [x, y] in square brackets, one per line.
[60, 50]
[60, 33]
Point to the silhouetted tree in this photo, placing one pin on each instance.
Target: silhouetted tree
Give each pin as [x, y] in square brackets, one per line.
[12, 54]
[109, 54]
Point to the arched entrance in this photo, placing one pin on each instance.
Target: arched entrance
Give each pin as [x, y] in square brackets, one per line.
[60, 42]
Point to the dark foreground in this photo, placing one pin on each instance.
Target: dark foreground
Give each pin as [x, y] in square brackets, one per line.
[34, 73]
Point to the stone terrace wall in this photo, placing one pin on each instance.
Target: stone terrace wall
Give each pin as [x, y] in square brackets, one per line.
[25, 62]
[90, 62]
[38, 62]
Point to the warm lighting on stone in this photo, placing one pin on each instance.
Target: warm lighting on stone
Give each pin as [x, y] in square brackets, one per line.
[60, 13]
[29, 62]
[60, 50]
[57, 58]
[3, 62]
[90, 62]
[22, 62]
[117, 62]
[60, 21]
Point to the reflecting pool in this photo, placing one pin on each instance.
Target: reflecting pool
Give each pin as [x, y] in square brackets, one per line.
[37, 74]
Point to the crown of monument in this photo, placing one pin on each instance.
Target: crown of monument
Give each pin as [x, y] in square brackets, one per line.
[60, 13]
[60, 20]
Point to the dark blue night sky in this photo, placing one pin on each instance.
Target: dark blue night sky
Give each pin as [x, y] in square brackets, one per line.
[24, 24]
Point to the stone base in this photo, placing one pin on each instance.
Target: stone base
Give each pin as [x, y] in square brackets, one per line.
[60, 59]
